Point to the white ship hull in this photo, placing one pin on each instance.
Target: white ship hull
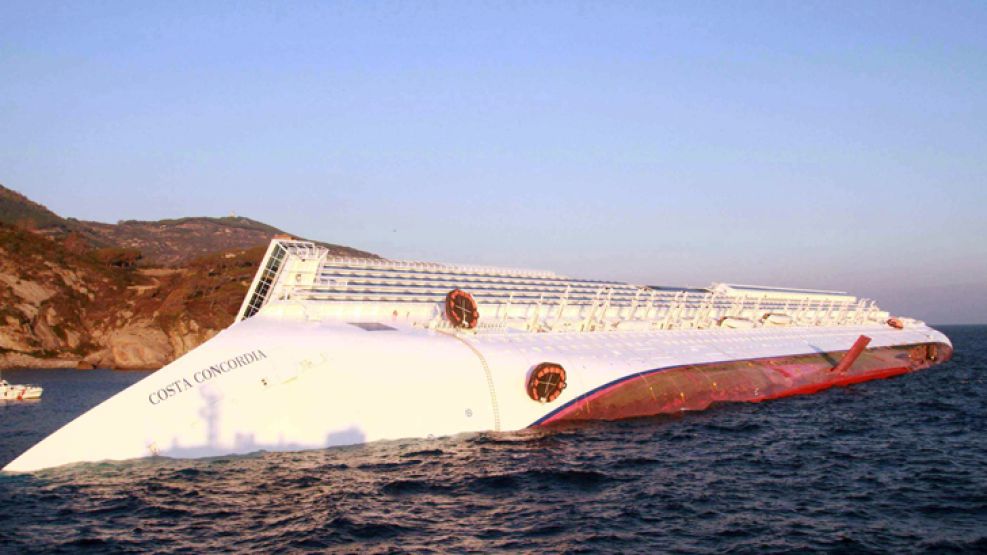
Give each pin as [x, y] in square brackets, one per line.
[273, 384]
[295, 377]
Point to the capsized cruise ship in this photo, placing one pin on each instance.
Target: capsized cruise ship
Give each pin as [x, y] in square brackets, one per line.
[331, 351]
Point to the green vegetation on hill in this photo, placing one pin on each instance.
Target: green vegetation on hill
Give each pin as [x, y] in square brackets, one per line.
[18, 210]
[169, 242]
[238, 222]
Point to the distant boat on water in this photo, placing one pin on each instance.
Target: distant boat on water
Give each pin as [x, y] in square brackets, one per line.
[15, 392]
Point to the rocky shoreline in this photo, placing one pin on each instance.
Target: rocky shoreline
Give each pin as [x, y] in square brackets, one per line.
[19, 361]
[131, 296]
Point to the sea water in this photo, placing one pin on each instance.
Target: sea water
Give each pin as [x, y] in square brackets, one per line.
[896, 465]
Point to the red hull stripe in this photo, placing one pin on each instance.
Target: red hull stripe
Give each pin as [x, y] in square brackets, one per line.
[694, 387]
[849, 380]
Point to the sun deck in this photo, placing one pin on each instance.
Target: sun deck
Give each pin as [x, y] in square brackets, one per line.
[298, 273]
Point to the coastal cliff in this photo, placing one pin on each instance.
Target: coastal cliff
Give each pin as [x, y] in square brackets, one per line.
[134, 295]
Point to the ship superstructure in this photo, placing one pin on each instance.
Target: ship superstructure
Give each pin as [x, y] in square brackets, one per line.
[333, 351]
[298, 276]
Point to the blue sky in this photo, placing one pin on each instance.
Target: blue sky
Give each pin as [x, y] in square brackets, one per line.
[834, 144]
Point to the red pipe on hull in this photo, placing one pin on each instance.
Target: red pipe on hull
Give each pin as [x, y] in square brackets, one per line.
[851, 356]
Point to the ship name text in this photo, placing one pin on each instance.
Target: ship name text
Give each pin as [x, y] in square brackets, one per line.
[188, 383]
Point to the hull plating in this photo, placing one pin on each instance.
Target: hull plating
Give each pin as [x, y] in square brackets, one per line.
[696, 387]
[287, 384]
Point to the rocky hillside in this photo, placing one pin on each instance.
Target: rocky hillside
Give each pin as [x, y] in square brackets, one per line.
[176, 242]
[84, 294]
[20, 211]
[161, 243]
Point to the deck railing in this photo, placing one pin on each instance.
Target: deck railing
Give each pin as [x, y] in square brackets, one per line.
[536, 300]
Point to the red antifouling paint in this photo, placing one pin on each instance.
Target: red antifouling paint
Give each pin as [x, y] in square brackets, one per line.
[851, 356]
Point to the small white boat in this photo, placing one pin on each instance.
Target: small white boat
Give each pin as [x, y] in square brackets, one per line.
[13, 392]
[776, 319]
[736, 323]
